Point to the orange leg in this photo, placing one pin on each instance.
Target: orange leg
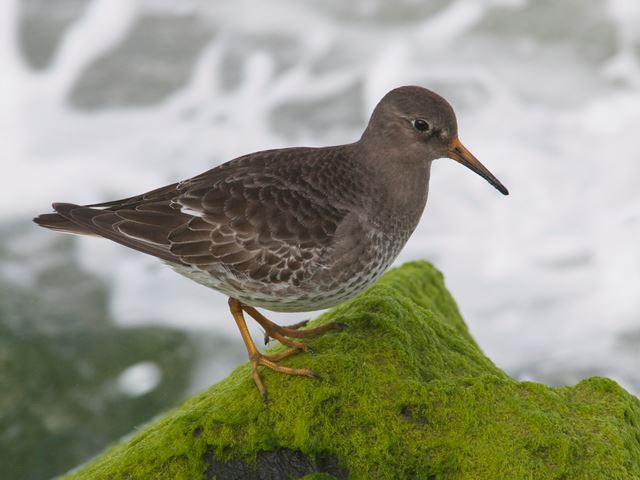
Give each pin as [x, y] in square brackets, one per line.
[295, 326]
[258, 358]
[276, 331]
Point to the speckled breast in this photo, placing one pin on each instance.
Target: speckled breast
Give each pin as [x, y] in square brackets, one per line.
[326, 282]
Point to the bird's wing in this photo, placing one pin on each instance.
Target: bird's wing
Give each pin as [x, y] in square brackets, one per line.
[257, 216]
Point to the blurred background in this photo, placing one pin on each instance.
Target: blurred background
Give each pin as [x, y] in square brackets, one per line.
[103, 99]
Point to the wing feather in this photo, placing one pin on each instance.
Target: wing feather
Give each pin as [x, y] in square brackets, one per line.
[256, 216]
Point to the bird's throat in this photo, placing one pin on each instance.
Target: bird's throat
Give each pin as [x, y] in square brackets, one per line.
[404, 188]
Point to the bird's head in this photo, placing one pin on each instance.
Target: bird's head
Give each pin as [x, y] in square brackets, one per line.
[422, 125]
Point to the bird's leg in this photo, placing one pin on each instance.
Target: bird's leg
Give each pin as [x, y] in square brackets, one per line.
[258, 358]
[298, 325]
[270, 332]
[274, 330]
[295, 326]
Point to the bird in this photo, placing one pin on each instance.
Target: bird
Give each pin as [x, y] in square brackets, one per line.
[293, 229]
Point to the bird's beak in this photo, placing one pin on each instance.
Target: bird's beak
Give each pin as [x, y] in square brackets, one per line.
[459, 153]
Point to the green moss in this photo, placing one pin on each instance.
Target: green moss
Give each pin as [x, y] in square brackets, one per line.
[406, 393]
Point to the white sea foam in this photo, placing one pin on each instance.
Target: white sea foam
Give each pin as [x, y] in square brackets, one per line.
[548, 278]
[139, 379]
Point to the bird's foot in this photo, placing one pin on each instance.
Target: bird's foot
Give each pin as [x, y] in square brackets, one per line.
[270, 333]
[273, 330]
[270, 361]
[276, 357]
[295, 326]
[311, 332]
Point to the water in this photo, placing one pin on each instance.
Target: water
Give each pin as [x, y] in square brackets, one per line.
[107, 98]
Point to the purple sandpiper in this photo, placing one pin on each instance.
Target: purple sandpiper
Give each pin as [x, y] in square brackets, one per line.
[292, 229]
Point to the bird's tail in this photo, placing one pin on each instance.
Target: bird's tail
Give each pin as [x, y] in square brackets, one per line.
[55, 221]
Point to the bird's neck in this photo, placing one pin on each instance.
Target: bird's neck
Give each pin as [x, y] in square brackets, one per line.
[401, 185]
[404, 194]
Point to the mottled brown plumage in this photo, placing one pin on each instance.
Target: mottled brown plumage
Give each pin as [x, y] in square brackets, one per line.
[293, 229]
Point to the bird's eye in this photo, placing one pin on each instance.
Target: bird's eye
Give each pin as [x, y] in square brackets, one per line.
[421, 125]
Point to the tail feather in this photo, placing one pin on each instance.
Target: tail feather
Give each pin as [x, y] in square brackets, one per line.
[55, 221]
[81, 220]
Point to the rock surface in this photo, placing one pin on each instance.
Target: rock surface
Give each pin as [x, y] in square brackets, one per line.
[405, 393]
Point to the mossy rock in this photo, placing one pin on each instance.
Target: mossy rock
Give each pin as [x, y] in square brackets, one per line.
[405, 393]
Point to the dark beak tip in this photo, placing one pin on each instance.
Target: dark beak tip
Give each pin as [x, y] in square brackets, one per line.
[459, 153]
